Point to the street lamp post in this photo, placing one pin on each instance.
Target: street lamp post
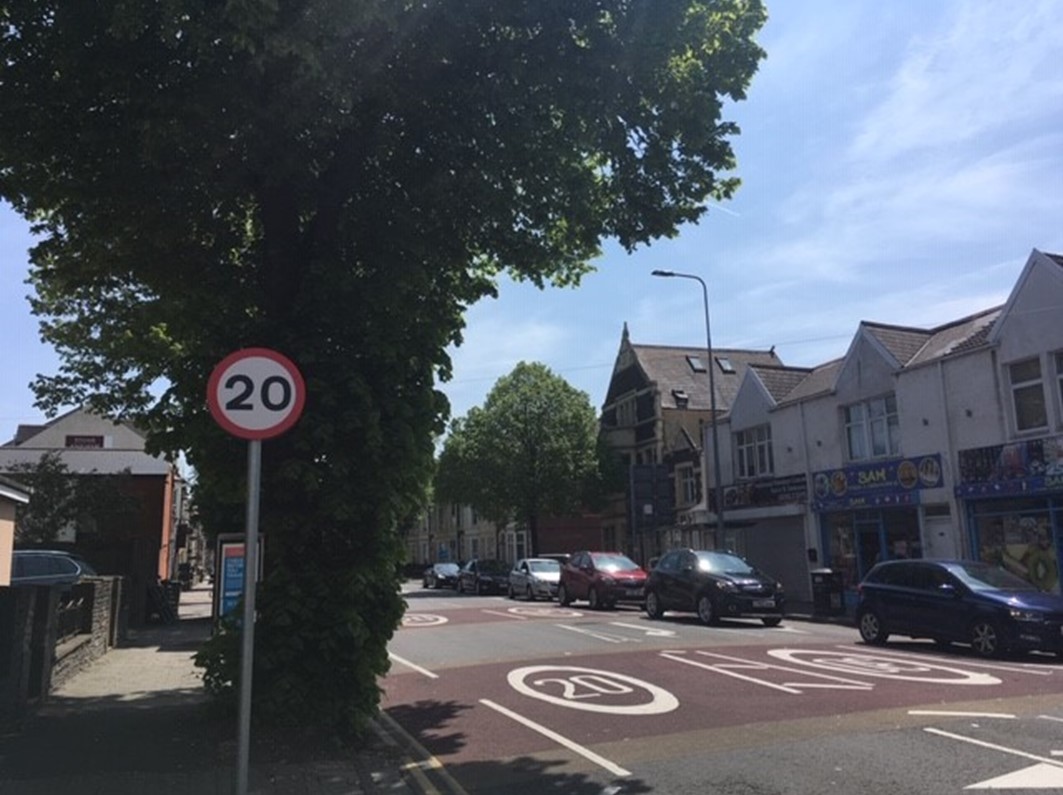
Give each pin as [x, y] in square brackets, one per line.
[717, 474]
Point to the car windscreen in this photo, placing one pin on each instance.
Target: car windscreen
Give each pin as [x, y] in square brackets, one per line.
[723, 563]
[544, 565]
[447, 568]
[614, 563]
[493, 567]
[983, 577]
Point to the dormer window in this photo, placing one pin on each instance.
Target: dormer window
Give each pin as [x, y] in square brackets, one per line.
[725, 364]
[696, 364]
[681, 398]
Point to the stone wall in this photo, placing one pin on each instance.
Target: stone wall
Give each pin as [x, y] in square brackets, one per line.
[32, 660]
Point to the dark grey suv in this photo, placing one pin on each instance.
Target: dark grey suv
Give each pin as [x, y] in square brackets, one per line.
[714, 585]
[48, 567]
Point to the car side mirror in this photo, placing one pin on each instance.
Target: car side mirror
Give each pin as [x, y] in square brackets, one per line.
[948, 589]
[688, 568]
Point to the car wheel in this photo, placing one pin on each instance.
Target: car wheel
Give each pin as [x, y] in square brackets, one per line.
[563, 598]
[707, 610]
[593, 599]
[985, 639]
[426, 585]
[871, 629]
[772, 621]
[510, 592]
[653, 605]
[530, 594]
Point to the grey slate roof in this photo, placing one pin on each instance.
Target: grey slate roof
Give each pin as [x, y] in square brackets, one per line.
[1057, 258]
[957, 337]
[781, 381]
[819, 381]
[669, 368]
[903, 342]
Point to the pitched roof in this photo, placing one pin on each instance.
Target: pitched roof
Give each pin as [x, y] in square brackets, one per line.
[1056, 258]
[902, 342]
[89, 461]
[780, 381]
[819, 381]
[960, 336]
[669, 367]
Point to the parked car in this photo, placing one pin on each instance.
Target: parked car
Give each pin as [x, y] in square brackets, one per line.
[534, 577]
[484, 575]
[604, 579]
[441, 575]
[713, 584]
[560, 557]
[48, 567]
[958, 601]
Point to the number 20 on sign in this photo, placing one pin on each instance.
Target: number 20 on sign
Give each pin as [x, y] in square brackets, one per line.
[256, 393]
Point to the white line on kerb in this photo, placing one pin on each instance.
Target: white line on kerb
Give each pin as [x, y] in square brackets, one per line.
[586, 753]
[948, 714]
[414, 666]
[995, 747]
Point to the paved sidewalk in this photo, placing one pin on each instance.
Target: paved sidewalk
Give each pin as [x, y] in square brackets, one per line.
[136, 721]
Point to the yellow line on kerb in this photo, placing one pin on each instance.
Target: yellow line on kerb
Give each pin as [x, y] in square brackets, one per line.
[429, 761]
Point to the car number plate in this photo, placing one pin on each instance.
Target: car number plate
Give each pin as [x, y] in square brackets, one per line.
[634, 592]
[763, 603]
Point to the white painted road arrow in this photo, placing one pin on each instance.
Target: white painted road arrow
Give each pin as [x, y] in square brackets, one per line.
[1040, 776]
[653, 633]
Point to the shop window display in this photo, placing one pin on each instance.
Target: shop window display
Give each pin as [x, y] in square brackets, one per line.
[1022, 544]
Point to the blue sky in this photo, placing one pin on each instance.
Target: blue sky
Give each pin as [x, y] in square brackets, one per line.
[899, 161]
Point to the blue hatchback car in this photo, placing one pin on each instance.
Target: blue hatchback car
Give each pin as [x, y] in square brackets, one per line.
[958, 601]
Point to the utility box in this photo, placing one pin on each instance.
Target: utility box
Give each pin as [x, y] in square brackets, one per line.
[827, 593]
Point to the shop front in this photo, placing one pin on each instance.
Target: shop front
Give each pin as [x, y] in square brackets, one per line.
[870, 512]
[1012, 497]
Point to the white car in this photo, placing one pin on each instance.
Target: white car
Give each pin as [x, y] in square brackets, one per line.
[534, 577]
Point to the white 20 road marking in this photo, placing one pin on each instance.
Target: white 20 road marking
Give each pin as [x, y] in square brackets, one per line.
[590, 690]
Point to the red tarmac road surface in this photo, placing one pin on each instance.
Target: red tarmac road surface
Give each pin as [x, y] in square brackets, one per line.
[609, 698]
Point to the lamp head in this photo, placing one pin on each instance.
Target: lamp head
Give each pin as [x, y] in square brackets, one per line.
[663, 273]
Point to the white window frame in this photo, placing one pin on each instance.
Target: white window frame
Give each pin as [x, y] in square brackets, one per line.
[872, 428]
[754, 454]
[688, 483]
[1059, 384]
[1027, 390]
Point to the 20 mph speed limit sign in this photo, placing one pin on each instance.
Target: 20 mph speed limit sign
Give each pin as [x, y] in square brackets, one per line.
[256, 393]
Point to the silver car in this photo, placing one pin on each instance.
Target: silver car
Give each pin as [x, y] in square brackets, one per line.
[534, 577]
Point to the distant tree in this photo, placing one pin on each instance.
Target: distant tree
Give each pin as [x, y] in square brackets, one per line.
[530, 452]
[61, 500]
[339, 181]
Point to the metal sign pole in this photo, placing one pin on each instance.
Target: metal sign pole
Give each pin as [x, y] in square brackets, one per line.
[254, 468]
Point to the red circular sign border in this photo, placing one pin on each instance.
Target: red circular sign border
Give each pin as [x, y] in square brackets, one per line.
[265, 433]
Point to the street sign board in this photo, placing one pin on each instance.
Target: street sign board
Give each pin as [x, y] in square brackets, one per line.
[256, 393]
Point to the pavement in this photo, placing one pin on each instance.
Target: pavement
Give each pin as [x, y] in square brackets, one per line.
[137, 721]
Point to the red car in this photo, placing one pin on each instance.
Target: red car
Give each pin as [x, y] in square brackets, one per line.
[602, 578]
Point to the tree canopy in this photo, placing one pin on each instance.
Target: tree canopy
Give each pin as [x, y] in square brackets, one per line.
[530, 452]
[337, 180]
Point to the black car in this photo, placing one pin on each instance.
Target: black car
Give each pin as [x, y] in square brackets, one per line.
[441, 575]
[958, 601]
[714, 585]
[484, 575]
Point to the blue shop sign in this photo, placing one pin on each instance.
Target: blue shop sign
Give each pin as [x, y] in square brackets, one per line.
[894, 482]
[1028, 467]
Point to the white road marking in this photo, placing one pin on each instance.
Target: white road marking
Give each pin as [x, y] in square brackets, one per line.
[1033, 670]
[600, 635]
[948, 714]
[1046, 774]
[413, 666]
[590, 690]
[505, 615]
[653, 633]
[903, 669]
[429, 761]
[1050, 717]
[423, 620]
[586, 753]
[735, 664]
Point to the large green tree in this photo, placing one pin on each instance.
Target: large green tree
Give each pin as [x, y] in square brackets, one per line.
[530, 452]
[338, 180]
